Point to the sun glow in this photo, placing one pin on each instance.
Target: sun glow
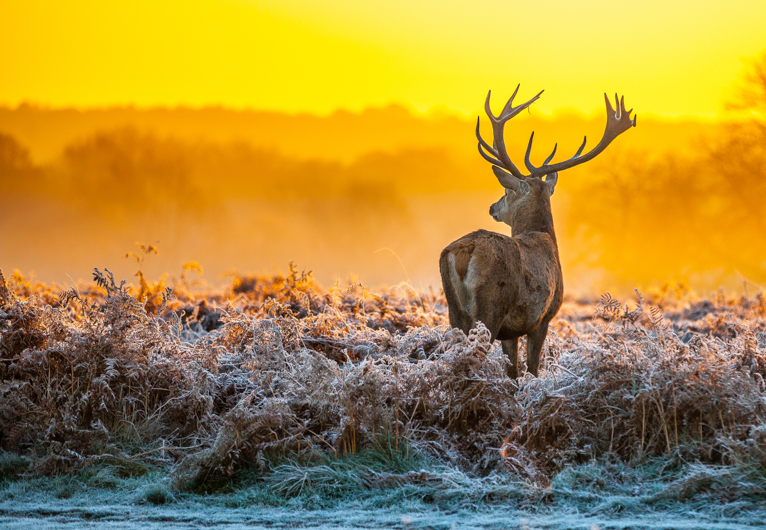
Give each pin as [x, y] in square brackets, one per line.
[671, 58]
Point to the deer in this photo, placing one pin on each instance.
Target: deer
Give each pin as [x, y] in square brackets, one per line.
[514, 285]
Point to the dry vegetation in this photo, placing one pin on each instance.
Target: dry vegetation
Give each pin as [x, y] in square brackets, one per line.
[305, 393]
[280, 378]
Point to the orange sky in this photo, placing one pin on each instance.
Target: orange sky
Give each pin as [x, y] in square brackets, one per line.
[671, 58]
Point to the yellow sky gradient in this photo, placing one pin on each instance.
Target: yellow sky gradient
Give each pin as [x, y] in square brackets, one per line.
[671, 58]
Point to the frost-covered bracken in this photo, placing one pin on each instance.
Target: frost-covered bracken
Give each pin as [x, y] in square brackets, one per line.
[203, 384]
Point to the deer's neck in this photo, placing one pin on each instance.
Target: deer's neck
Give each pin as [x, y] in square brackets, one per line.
[539, 220]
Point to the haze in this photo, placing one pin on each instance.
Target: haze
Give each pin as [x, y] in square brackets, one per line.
[340, 135]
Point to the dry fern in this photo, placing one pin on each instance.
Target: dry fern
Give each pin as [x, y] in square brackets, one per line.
[290, 369]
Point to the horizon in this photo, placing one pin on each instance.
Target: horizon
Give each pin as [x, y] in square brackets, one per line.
[435, 112]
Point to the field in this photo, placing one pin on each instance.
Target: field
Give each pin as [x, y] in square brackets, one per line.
[277, 402]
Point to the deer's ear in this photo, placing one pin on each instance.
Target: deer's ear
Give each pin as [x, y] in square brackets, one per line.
[509, 181]
[551, 181]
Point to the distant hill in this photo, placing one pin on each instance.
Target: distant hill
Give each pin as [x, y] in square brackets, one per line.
[377, 194]
[341, 136]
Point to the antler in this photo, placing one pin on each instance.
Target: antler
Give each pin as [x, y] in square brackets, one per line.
[498, 123]
[617, 122]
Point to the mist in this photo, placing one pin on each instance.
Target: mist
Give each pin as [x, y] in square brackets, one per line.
[370, 197]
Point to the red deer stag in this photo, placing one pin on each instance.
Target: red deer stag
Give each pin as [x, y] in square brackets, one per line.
[513, 284]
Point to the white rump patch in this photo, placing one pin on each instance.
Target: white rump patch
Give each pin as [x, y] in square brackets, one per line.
[464, 288]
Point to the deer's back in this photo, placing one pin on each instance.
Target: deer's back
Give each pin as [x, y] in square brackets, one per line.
[511, 284]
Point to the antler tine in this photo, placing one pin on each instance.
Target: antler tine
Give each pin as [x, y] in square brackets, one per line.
[482, 142]
[487, 108]
[509, 106]
[623, 111]
[582, 146]
[509, 111]
[527, 162]
[551, 155]
[484, 145]
[617, 122]
[498, 124]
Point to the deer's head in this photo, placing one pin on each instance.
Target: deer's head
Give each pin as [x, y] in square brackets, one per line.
[522, 198]
[527, 197]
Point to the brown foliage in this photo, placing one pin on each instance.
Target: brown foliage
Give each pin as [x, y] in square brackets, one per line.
[290, 368]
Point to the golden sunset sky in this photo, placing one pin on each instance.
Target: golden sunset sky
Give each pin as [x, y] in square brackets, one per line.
[671, 57]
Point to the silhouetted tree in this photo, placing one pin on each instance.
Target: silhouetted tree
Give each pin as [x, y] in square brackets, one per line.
[738, 157]
[17, 172]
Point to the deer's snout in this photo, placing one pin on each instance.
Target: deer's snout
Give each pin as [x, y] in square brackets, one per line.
[494, 211]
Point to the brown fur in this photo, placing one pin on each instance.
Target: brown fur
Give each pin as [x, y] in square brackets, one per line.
[511, 284]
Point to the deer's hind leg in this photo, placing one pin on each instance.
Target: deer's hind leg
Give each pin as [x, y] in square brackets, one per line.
[535, 342]
[511, 350]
